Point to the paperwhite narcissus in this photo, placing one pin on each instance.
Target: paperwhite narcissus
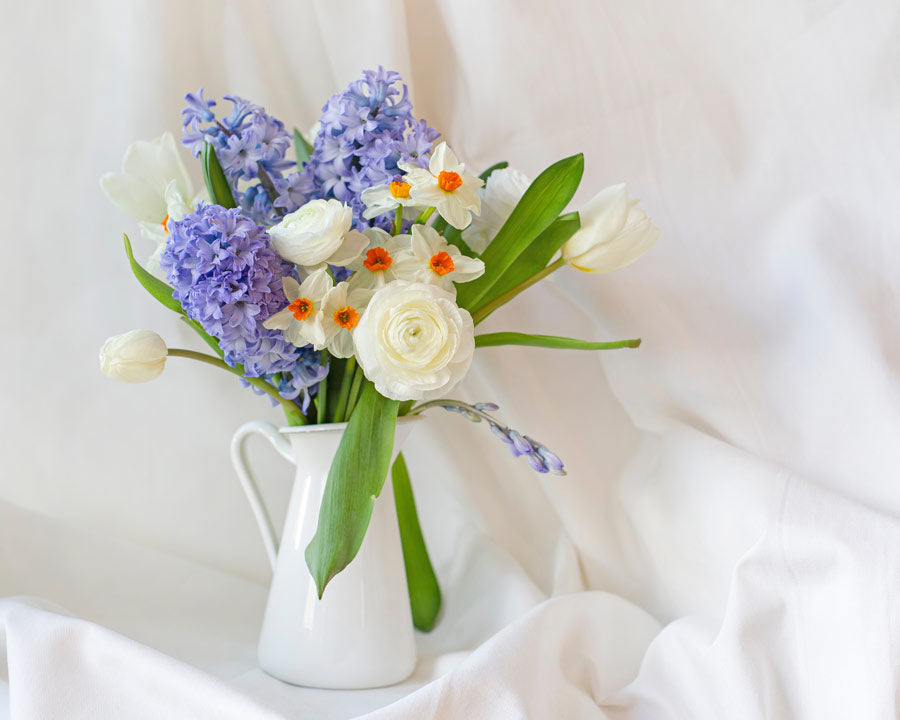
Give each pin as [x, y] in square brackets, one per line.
[614, 232]
[445, 185]
[431, 259]
[133, 357]
[154, 188]
[413, 342]
[318, 232]
[499, 197]
[382, 199]
[375, 268]
[300, 321]
[341, 310]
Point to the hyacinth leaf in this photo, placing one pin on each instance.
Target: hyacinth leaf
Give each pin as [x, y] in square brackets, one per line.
[424, 591]
[153, 285]
[302, 149]
[542, 202]
[537, 255]
[549, 341]
[357, 475]
[216, 183]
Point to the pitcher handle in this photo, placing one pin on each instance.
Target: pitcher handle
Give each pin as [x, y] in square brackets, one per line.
[248, 482]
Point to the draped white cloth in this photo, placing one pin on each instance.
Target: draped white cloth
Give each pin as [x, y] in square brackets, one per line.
[727, 541]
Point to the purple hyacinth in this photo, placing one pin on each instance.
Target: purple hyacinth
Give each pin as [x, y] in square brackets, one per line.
[539, 457]
[251, 146]
[228, 279]
[365, 131]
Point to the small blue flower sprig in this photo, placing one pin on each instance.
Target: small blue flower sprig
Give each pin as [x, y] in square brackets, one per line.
[539, 457]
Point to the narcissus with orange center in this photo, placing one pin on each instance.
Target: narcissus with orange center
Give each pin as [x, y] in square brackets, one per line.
[301, 308]
[346, 317]
[400, 189]
[441, 263]
[377, 259]
[448, 181]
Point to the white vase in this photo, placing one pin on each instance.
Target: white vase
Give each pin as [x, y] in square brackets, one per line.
[360, 634]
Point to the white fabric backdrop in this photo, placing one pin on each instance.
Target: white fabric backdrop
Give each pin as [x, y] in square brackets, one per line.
[727, 541]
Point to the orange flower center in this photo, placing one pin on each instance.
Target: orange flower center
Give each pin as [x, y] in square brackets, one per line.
[399, 189]
[441, 263]
[346, 317]
[449, 181]
[301, 308]
[165, 223]
[378, 259]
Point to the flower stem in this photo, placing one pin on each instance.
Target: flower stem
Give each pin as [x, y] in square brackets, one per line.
[354, 391]
[290, 407]
[322, 395]
[398, 220]
[344, 393]
[423, 217]
[497, 302]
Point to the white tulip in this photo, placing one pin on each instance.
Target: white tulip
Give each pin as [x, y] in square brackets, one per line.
[413, 341]
[499, 197]
[614, 232]
[319, 232]
[136, 356]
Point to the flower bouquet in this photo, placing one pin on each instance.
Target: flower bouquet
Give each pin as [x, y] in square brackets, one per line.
[344, 278]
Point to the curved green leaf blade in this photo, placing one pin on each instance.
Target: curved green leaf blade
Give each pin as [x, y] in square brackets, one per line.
[536, 256]
[216, 183]
[357, 475]
[549, 341]
[153, 285]
[424, 591]
[302, 149]
[542, 202]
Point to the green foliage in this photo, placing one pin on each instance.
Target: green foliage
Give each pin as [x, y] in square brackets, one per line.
[549, 341]
[216, 183]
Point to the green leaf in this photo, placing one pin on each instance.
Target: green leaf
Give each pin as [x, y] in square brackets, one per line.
[545, 198]
[357, 475]
[216, 183]
[537, 255]
[549, 341]
[153, 285]
[496, 166]
[424, 591]
[302, 149]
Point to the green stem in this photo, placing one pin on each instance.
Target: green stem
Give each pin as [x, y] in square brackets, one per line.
[322, 394]
[497, 302]
[343, 394]
[354, 391]
[290, 408]
[398, 219]
[423, 217]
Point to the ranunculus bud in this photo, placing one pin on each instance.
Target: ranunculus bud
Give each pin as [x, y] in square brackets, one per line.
[318, 232]
[413, 341]
[614, 232]
[137, 356]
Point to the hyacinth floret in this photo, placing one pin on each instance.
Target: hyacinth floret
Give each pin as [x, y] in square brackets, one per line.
[251, 146]
[228, 279]
[365, 131]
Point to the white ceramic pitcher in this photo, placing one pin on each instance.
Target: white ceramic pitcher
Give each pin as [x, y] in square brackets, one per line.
[360, 634]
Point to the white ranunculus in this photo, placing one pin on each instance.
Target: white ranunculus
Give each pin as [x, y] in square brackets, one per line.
[413, 341]
[499, 197]
[319, 232]
[614, 232]
[136, 356]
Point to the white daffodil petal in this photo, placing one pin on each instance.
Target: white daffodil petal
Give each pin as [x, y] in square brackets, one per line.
[352, 246]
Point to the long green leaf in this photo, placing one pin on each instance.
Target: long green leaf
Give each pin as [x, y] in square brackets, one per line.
[302, 149]
[356, 477]
[424, 591]
[545, 198]
[537, 255]
[216, 183]
[153, 285]
[549, 341]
